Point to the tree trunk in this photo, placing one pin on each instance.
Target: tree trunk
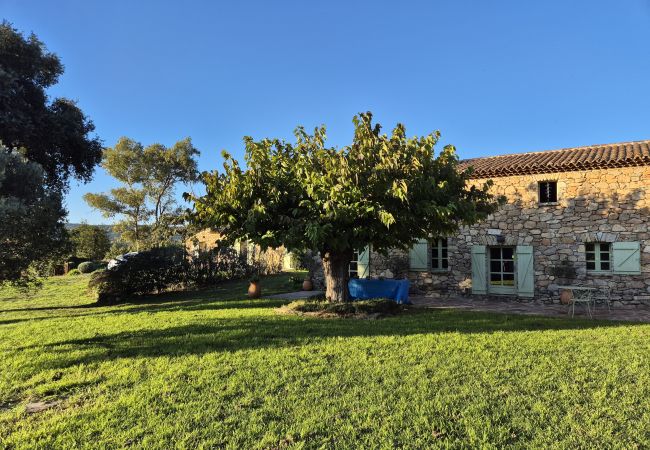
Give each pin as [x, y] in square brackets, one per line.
[336, 267]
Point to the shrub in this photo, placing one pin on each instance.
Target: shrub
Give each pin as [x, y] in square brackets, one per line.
[88, 266]
[295, 282]
[74, 272]
[144, 273]
[215, 265]
[165, 268]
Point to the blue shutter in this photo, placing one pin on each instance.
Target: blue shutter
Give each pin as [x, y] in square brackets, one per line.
[626, 257]
[525, 271]
[479, 279]
[363, 263]
[418, 256]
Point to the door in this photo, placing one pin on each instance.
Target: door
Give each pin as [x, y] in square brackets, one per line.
[502, 270]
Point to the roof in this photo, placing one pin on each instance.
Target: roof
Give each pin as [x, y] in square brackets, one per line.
[623, 154]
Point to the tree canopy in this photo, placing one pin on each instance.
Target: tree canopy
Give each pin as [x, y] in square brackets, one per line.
[145, 201]
[31, 216]
[90, 242]
[386, 191]
[54, 133]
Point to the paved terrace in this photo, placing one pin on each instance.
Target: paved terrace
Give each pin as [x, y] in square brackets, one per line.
[638, 314]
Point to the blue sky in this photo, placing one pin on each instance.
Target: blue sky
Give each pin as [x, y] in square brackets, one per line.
[494, 77]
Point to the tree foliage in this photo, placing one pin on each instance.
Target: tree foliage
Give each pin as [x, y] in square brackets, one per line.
[90, 242]
[54, 133]
[387, 191]
[145, 201]
[31, 216]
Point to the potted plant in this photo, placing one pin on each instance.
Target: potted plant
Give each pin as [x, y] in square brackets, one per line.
[564, 273]
[254, 289]
[308, 261]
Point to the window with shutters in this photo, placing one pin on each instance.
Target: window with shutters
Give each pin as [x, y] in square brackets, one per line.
[548, 192]
[439, 254]
[598, 257]
[354, 265]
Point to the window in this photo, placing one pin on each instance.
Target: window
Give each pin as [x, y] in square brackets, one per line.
[439, 258]
[354, 265]
[598, 256]
[502, 266]
[548, 192]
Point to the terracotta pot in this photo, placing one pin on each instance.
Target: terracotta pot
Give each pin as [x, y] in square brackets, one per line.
[565, 296]
[307, 285]
[254, 290]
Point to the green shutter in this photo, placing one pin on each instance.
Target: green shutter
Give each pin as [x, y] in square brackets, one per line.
[626, 257]
[479, 280]
[418, 256]
[525, 271]
[363, 263]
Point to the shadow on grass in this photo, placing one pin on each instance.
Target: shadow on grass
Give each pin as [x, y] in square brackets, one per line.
[236, 334]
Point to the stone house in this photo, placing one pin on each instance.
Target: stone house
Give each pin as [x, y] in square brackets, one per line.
[573, 216]
[273, 259]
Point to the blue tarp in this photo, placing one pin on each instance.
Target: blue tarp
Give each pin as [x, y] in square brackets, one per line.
[398, 290]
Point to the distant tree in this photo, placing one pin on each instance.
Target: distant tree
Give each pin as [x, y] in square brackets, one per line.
[387, 191]
[146, 200]
[90, 242]
[31, 216]
[56, 134]
[168, 167]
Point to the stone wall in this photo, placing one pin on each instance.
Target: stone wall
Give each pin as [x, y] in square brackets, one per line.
[606, 205]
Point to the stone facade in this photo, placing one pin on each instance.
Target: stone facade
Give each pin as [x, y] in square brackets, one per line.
[272, 260]
[603, 205]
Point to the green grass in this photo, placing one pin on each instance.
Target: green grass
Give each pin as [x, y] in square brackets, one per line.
[213, 369]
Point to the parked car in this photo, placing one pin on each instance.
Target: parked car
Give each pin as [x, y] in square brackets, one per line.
[113, 263]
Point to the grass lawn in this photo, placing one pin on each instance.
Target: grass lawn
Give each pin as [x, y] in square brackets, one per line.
[213, 369]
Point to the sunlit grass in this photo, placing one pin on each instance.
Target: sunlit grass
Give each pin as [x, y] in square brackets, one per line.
[214, 369]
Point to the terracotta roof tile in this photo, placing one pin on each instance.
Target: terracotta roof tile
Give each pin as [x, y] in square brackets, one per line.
[624, 154]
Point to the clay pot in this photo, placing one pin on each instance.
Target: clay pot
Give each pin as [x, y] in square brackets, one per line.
[254, 290]
[307, 285]
[565, 296]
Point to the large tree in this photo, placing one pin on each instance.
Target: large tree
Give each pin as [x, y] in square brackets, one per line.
[54, 133]
[146, 201]
[386, 191]
[31, 216]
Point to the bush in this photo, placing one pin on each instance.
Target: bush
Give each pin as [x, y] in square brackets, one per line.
[74, 272]
[296, 282]
[144, 273]
[165, 268]
[89, 266]
[217, 264]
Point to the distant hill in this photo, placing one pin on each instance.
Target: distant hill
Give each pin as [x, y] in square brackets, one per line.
[109, 229]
